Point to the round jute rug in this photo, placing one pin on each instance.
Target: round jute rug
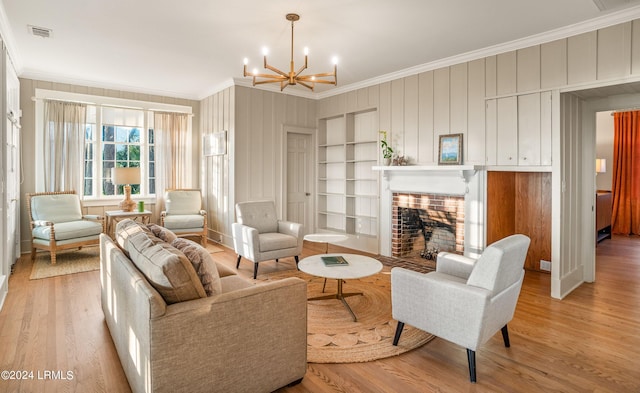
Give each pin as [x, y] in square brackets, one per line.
[333, 336]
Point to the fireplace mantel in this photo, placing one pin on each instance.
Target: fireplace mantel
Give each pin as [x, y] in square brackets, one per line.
[465, 171]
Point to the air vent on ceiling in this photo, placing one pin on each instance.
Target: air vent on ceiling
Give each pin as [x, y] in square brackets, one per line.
[606, 5]
[40, 31]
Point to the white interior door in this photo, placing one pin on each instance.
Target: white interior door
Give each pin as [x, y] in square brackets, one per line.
[12, 168]
[299, 172]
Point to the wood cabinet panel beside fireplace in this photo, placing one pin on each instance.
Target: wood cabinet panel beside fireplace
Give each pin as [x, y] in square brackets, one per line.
[520, 202]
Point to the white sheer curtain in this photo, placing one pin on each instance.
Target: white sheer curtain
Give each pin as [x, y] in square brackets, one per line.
[63, 163]
[171, 133]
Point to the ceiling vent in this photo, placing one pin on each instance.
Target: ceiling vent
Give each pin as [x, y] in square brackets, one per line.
[40, 31]
[606, 5]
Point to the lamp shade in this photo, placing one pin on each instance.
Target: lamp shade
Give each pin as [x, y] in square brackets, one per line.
[601, 165]
[125, 175]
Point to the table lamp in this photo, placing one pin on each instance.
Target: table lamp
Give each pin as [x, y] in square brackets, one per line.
[601, 165]
[126, 176]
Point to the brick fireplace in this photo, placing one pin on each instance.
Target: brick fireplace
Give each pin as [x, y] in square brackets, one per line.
[424, 224]
[450, 199]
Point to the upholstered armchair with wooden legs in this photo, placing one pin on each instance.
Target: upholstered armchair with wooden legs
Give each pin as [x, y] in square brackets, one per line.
[465, 301]
[57, 223]
[259, 236]
[183, 213]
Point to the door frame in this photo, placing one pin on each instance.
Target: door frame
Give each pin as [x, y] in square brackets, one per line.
[286, 130]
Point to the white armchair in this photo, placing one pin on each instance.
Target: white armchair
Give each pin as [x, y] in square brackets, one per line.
[465, 301]
[57, 223]
[183, 213]
[259, 236]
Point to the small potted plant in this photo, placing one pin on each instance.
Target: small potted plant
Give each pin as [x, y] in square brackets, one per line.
[387, 151]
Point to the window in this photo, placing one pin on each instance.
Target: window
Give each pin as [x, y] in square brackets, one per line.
[119, 133]
[116, 138]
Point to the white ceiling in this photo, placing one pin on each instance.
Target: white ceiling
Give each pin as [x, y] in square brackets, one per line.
[193, 48]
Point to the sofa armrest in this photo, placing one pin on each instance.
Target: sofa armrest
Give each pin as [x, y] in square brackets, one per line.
[202, 212]
[259, 331]
[455, 264]
[246, 241]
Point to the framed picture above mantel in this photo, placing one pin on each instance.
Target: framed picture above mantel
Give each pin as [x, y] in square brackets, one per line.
[450, 149]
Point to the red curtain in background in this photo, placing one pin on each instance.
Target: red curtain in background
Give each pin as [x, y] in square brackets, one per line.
[625, 218]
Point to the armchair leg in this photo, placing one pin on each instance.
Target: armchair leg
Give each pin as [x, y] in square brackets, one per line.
[238, 262]
[255, 270]
[33, 253]
[471, 357]
[296, 258]
[505, 336]
[396, 338]
[53, 257]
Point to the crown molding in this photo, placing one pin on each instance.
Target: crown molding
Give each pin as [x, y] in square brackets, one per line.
[55, 78]
[608, 20]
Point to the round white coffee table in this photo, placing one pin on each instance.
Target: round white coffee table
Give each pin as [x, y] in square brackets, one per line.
[325, 238]
[359, 266]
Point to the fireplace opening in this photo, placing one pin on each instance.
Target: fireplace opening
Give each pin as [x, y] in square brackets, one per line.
[426, 224]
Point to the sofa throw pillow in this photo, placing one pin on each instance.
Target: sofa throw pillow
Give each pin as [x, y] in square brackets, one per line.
[162, 233]
[166, 268]
[127, 228]
[203, 264]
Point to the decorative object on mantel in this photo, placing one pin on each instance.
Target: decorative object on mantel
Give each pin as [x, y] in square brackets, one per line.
[292, 77]
[450, 149]
[400, 160]
[387, 151]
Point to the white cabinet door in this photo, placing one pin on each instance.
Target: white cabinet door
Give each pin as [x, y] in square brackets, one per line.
[507, 131]
[529, 129]
[545, 128]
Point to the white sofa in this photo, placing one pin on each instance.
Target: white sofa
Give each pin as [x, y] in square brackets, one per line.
[246, 338]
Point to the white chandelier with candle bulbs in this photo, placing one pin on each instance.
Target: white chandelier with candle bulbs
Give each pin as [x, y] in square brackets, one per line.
[292, 77]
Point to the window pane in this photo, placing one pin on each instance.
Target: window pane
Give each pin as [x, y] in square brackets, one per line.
[88, 151]
[89, 132]
[108, 152]
[151, 140]
[107, 187]
[152, 169]
[121, 152]
[88, 168]
[134, 152]
[107, 133]
[134, 135]
[152, 153]
[152, 186]
[122, 134]
[88, 187]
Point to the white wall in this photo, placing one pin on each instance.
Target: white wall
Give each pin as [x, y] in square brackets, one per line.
[416, 109]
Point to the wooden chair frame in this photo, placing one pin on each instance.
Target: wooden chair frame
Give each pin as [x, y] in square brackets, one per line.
[53, 247]
[205, 229]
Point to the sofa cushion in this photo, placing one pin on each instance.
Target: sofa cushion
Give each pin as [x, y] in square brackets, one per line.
[203, 264]
[162, 233]
[69, 230]
[166, 268]
[184, 221]
[276, 241]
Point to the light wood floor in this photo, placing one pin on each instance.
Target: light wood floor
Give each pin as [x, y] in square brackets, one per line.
[587, 342]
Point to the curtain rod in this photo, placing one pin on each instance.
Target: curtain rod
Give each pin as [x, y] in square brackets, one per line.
[109, 105]
[625, 110]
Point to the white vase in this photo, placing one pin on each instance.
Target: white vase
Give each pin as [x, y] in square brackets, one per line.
[387, 161]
